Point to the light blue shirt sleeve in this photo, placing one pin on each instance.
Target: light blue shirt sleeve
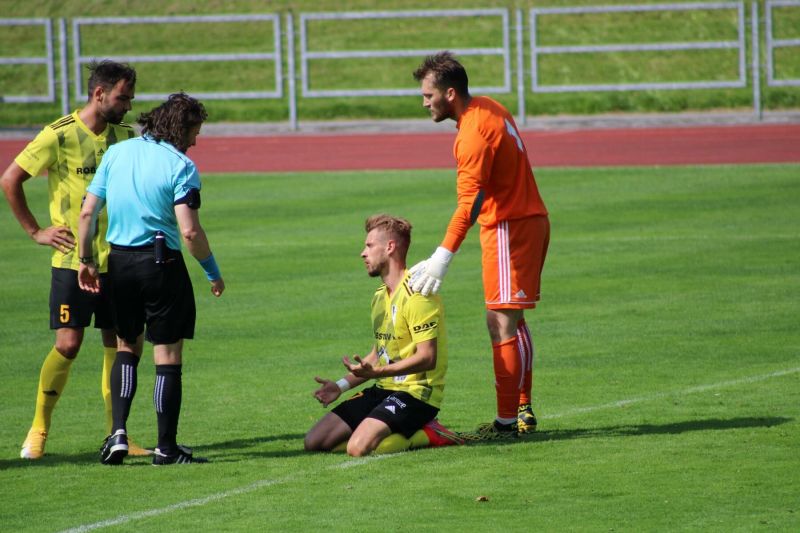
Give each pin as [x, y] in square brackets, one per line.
[189, 179]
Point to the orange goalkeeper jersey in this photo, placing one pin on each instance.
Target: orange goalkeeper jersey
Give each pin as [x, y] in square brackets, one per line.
[495, 181]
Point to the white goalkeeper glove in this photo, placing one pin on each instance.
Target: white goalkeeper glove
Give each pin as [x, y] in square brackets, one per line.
[426, 276]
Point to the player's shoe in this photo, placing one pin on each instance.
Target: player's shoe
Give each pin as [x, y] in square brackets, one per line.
[438, 435]
[492, 431]
[183, 456]
[33, 447]
[114, 448]
[135, 450]
[526, 420]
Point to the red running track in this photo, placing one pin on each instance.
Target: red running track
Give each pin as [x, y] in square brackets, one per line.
[767, 143]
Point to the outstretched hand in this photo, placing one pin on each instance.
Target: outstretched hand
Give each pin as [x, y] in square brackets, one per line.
[361, 368]
[328, 392]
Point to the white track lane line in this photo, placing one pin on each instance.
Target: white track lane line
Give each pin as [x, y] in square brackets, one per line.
[252, 487]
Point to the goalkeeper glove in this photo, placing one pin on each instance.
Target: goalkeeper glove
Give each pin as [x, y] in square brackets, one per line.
[427, 275]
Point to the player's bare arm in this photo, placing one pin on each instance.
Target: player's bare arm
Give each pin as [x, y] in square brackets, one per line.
[424, 358]
[59, 237]
[331, 390]
[88, 276]
[194, 236]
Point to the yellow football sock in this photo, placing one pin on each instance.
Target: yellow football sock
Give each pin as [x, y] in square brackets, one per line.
[109, 355]
[397, 443]
[419, 440]
[52, 380]
[392, 444]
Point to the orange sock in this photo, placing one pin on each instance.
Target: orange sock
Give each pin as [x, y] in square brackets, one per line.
[526, 351]
[508, 365]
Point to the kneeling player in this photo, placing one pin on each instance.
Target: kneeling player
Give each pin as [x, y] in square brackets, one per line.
[408, 362]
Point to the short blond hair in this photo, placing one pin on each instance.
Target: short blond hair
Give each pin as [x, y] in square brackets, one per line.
[397, 228]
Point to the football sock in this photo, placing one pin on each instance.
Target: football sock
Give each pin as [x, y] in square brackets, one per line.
[109, 355]
[52, 380]
[340, 448]
[508, 366]
[123, 382]
[167, 401]
[526, 351]
[394, 443]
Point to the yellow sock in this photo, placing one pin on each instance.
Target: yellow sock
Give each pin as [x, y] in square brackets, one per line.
[52, 380]
[392, 444]
[419, 440]
[109, 355]
[397, 443]
[340, 448]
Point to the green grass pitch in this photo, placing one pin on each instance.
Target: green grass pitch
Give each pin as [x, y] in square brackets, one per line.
[667, 376]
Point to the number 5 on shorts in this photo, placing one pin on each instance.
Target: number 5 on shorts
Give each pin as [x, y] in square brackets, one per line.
[63, 314]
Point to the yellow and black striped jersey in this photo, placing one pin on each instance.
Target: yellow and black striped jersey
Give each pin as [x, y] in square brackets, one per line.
[71, 153]
[399, 322]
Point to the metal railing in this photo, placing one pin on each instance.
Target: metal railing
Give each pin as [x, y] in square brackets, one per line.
[772, 43]
[503, 49]
[48, 60]
[536, 50]
[80, 59]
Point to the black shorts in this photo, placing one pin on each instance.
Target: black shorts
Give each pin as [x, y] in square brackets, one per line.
[72, 307]
[145, 293]
[400, 411]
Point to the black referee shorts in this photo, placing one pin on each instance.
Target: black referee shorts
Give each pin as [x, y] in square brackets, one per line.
[144, 293]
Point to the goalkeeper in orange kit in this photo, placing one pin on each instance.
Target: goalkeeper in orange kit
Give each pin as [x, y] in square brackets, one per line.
[496, 188]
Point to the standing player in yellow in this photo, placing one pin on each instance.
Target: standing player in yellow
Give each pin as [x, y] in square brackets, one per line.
[408, 362]
[70, 149]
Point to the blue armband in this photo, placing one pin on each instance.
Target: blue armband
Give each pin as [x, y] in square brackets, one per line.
[209, 264]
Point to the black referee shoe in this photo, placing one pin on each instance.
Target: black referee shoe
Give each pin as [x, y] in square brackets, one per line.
[182, 457]
[114, 448]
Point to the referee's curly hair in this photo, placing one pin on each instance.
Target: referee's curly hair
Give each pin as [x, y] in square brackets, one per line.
[173, 120]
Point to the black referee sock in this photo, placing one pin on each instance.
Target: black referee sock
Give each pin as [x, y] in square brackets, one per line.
[167, 401]
[123, 388]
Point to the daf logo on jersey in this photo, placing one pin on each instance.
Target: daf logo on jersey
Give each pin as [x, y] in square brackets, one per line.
[85, 170]
[425, 327]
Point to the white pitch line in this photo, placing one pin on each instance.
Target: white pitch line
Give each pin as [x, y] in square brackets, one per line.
[252, 487]
[683, 392]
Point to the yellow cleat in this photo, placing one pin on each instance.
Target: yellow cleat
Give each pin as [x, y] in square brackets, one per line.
[526, 420]
[491, 431]
[137, 451]
[33, 447]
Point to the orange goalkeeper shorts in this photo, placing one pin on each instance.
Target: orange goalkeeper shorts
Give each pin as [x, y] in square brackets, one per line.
[513, 257]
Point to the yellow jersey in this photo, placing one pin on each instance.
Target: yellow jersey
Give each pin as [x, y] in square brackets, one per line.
[71, 153]
[399, 322]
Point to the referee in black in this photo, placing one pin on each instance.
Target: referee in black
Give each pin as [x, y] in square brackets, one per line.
[151, 190]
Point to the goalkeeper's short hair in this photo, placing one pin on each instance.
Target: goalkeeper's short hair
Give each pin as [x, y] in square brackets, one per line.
[398, 228]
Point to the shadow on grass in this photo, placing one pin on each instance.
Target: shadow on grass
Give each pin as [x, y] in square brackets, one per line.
[252, 448]
[711, 424]
[218, 452]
